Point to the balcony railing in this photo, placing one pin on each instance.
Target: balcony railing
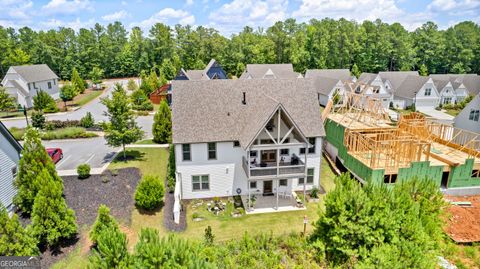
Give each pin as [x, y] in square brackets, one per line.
[270, 169]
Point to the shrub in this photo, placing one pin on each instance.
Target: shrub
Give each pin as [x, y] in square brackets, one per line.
[111, 250]
[14, 239]
[103, 222]
[83, 171]
[44, 102]
[131, 85]
[314, 192]
[56, 124]
[65, 133]
[87, 121]
[209, 237]
[149, 193]
[162, 124]
[145, 106]
[38, 119]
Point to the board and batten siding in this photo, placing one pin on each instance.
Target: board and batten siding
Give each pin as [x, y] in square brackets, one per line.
[9, 159]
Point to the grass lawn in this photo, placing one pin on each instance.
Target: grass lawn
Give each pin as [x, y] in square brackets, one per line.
[13, 114]
[452, 112]
[150, 161]
[145, 142]
[87, 98]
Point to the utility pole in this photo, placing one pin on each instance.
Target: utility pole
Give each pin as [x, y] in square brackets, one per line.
[25, 114]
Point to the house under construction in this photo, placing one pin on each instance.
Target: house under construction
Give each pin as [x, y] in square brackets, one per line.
[361, 136]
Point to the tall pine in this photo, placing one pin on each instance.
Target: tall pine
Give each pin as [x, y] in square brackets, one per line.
[162, 124]
[14, 239]
[77, 82]
[34, 160]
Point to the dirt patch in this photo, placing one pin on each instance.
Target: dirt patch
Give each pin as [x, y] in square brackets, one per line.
[463, 224]
[84, 196]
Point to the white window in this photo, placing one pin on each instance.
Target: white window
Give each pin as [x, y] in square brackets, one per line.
[311, 150]
[310, 175]
[428, 92]
[253, 184]
[212, 151]
[283, 182]
[186, 153]
[200, 183]
[49, 85]
[474, 115]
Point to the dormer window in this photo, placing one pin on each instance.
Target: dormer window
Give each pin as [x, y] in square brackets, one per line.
[428, 92]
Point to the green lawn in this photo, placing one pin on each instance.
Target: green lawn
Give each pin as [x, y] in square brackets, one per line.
[145, 142]
[453, 112]
[13, 114]
[87, 98]
[150, 161]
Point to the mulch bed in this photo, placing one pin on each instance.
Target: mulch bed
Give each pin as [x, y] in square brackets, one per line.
[463, 224]
[84, 196]
[168, 220]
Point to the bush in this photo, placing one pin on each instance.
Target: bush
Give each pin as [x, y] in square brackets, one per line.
[314, 192]
[87, 121]
[14, 239]
[83, 171]
[111, 250]
[67, 133]
[103, 222]
[162, 124]
[44, 102]
[149, 193]
[209, 236]
[38, 119]
[56, 124]
[145, 106]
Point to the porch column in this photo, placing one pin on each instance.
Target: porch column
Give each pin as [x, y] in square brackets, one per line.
[305, 178]
[248, 201]
[277, 192]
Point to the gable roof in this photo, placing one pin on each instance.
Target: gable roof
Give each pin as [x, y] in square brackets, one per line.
[280, 71]
[367, 78]
[470, 81]
[410, 86]
[212, 111]
[396, 78]
[338, 74]
[325, 85]
[198, 74]
[6, 133]
[440, 83]
[34, 73]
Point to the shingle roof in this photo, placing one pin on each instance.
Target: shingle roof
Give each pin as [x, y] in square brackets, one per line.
[410, 86]
[200, 74]
[280, 71]
[324, 85]
[212, 111]
[396, 78]
[6, 133]
[34, 73]
[470, 81]
[338, 74]
[440, 83]
[367, 78]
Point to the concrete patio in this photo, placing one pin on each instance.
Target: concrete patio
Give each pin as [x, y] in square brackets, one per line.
[267, 204]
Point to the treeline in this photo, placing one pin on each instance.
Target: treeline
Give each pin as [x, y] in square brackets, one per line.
[372, 46]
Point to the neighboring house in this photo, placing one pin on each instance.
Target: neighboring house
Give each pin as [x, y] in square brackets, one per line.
[417, 90]
[339, 74]
[376, 87]
[469, 117]
[327, 88]
[160, 94]
[213, 70]
[270, 71]
[246, 136]
[446, 91]
[393, 79]
[463, 84]
[9, 157]
[23, 82]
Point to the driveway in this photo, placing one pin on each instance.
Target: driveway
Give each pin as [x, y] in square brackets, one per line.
[437, 115]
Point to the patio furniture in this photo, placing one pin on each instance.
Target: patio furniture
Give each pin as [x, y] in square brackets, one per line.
[287, 195]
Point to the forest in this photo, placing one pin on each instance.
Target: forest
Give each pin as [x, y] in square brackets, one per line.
[370, 46]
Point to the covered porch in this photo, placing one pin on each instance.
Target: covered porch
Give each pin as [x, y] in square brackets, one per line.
[270, 204]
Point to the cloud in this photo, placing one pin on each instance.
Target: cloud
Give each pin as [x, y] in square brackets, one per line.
[189, 2]
[116, 16]
[15, 10]
[454, 5]
[66, 6]
[75, 25]
[168, 16]
[233, 16]
[360, 10]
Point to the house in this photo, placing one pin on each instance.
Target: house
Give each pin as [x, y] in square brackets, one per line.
[160, 94]
[246, 137]
[23, 82]
[339, 74]
[213, 70]
[328, 88]
[270, 71]
[417, 90]
[446, 91]
[376, 87]
[463, 84]
[469, 117]
[9, 158]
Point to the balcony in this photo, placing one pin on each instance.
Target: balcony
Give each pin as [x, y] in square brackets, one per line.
[293, 168]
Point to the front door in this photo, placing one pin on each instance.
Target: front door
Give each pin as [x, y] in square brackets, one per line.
[269, 156]
[267, 187]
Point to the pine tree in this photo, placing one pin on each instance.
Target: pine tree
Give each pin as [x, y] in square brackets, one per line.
[44, 102]
[34, 160]
[77, 82]
[14, 239]
[52, 219]
[122, 128]
[6, 101]
[423, 71]
[162, 124]
[111, 250]
[356, 71]
[104, 221]
[96, 76]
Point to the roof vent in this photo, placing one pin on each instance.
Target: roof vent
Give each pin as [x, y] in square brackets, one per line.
[244, 101]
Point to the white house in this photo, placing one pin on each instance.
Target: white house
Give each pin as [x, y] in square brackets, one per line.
[246, 137]
[446, 91]
[376, 87]
[417, 90]
[23, 82]
[463, 84]
[9, 157]
[327, 88]
[469, 117]
[270, 71]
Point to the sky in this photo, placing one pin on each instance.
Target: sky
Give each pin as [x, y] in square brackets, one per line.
[229, 16]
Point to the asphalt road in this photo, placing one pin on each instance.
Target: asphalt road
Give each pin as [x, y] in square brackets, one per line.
[93, 151]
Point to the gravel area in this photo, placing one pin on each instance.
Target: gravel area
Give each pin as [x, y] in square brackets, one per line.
[84, 196]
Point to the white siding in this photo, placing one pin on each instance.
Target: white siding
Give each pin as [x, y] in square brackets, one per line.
[431, 101]
[462, 120]
[9, 159]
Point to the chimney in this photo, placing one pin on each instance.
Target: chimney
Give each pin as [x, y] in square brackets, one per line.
[244, 101]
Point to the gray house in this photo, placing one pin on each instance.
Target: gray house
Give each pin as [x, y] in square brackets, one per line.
[23, 82]
[469, 117]
[213, 70]
[417, 90]
[9, 157]
[270, 71]
[338, 74]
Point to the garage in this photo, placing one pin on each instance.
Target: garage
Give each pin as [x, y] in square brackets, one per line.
[426, 102]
